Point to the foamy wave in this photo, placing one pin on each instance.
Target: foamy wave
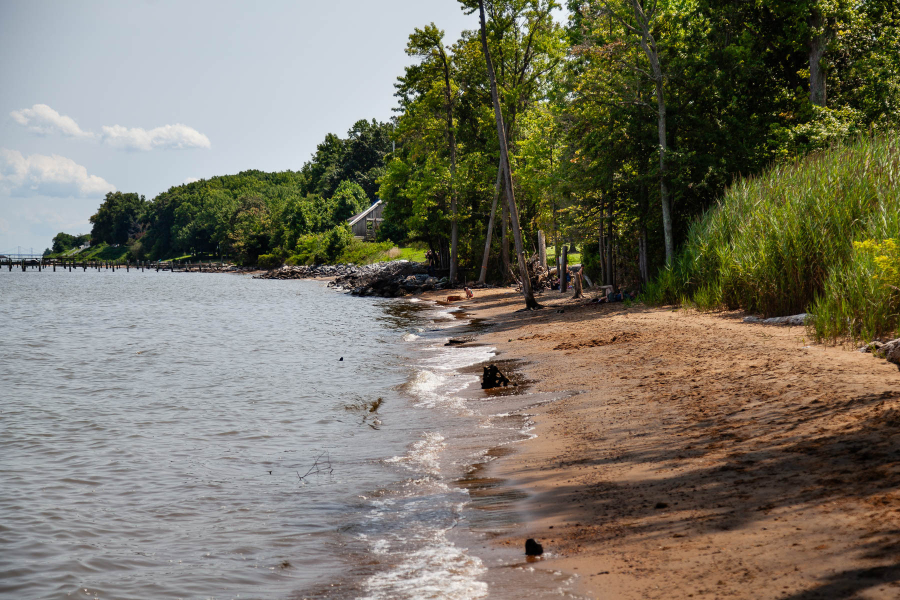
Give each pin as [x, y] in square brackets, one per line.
[424, 454]
[446, 359]
[409, 337]
[439, 570]
[436, 390]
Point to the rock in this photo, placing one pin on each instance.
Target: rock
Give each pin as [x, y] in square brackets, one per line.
[891, 351]
[493, 378]
[431, 280]
[792, 320]
[532, 548]
[660, 505]
[871, 347]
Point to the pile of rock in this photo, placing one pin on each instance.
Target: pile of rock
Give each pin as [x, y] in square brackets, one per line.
[888, 350]
[307, 272]
[390, 280]
[386, 280]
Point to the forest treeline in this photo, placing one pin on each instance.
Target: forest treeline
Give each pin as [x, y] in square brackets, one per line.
[623, 126]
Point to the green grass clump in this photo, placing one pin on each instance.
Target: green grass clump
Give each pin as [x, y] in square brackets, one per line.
[783, 243]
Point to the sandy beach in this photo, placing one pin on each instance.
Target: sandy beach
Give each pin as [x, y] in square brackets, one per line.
[699, 456]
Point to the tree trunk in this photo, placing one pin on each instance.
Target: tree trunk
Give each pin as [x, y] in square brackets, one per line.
[607, 255]
[504, 241]
[642, 257]
[530, 302]
[451, 140]
[482, 278]
[817, 44]
[579, 288]
[648, 43]
[542, 249]
[564, 270]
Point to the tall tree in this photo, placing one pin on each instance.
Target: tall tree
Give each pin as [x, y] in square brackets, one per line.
[428, 43]
[527, 292]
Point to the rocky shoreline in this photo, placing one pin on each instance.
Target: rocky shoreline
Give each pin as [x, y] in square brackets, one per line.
[386, 280]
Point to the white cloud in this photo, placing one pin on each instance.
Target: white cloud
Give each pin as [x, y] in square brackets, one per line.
[42, 119]
[190, 180]
[48, 176]
[167, 136]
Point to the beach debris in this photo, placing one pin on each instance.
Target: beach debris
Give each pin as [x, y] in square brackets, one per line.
[318, 467]
[493, 378]
[793, 320]
[341, 359]
[460, 341]
[454, 298]
[532, 548]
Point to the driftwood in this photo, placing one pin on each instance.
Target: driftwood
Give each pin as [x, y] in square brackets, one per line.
[493, 378]
[318, 467]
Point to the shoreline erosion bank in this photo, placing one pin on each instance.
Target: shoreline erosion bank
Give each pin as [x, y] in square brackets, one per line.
[697, 456]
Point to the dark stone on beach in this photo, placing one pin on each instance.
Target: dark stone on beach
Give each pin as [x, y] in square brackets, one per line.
[661, 505]
[532, 548]
[493, 378]
[340, 359]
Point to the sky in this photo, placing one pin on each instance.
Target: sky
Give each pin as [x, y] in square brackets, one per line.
[142, 95]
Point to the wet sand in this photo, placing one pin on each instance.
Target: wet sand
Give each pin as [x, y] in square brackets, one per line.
[701, 457]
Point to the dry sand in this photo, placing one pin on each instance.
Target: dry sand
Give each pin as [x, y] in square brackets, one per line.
[702, 457]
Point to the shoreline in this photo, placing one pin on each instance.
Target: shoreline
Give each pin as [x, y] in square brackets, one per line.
[697, 456]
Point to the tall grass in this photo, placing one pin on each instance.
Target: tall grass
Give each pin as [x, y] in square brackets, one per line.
[782, 243]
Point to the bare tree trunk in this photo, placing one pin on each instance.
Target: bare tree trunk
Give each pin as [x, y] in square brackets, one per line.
[817, 45]
[648, 43]
[579, 288]
[451, 140]
[642, 256]
[504, 241]
[490, 228]
[542, 249]
[527, 292]
[564, 270]
[607, 255]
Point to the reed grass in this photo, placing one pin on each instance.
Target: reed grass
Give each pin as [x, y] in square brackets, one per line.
[783, 243]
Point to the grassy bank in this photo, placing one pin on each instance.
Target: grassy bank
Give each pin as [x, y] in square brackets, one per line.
[816, 236]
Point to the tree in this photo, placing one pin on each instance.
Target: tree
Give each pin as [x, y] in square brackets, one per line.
[428, 43]
[530, 302]
[118, 218]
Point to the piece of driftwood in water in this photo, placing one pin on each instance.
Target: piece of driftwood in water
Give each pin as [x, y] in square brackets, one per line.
[493, 378]
[319, 467]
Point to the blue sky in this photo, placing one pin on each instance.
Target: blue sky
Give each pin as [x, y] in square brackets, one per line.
[140, 96]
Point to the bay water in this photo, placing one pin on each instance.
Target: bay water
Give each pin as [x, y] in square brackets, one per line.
[215, 436]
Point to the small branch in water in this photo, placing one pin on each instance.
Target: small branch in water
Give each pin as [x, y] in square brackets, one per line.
[318, 468]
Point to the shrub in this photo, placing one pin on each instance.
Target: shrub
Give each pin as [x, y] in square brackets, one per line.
[336, 240]
[269, 261]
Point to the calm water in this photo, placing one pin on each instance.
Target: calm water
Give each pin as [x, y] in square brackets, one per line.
[154, 428]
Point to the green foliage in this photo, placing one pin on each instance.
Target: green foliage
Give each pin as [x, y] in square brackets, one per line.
[118, 218]
[63, 242]
[782, 243]
[358, 158]
[269, 261]
[336, 240]
[349, 199]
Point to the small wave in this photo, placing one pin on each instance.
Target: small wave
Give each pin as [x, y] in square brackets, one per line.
[446, 359]
[424, 454]
[439, 570]
[409, 337]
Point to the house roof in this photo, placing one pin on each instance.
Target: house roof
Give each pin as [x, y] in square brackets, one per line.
[357, 218]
